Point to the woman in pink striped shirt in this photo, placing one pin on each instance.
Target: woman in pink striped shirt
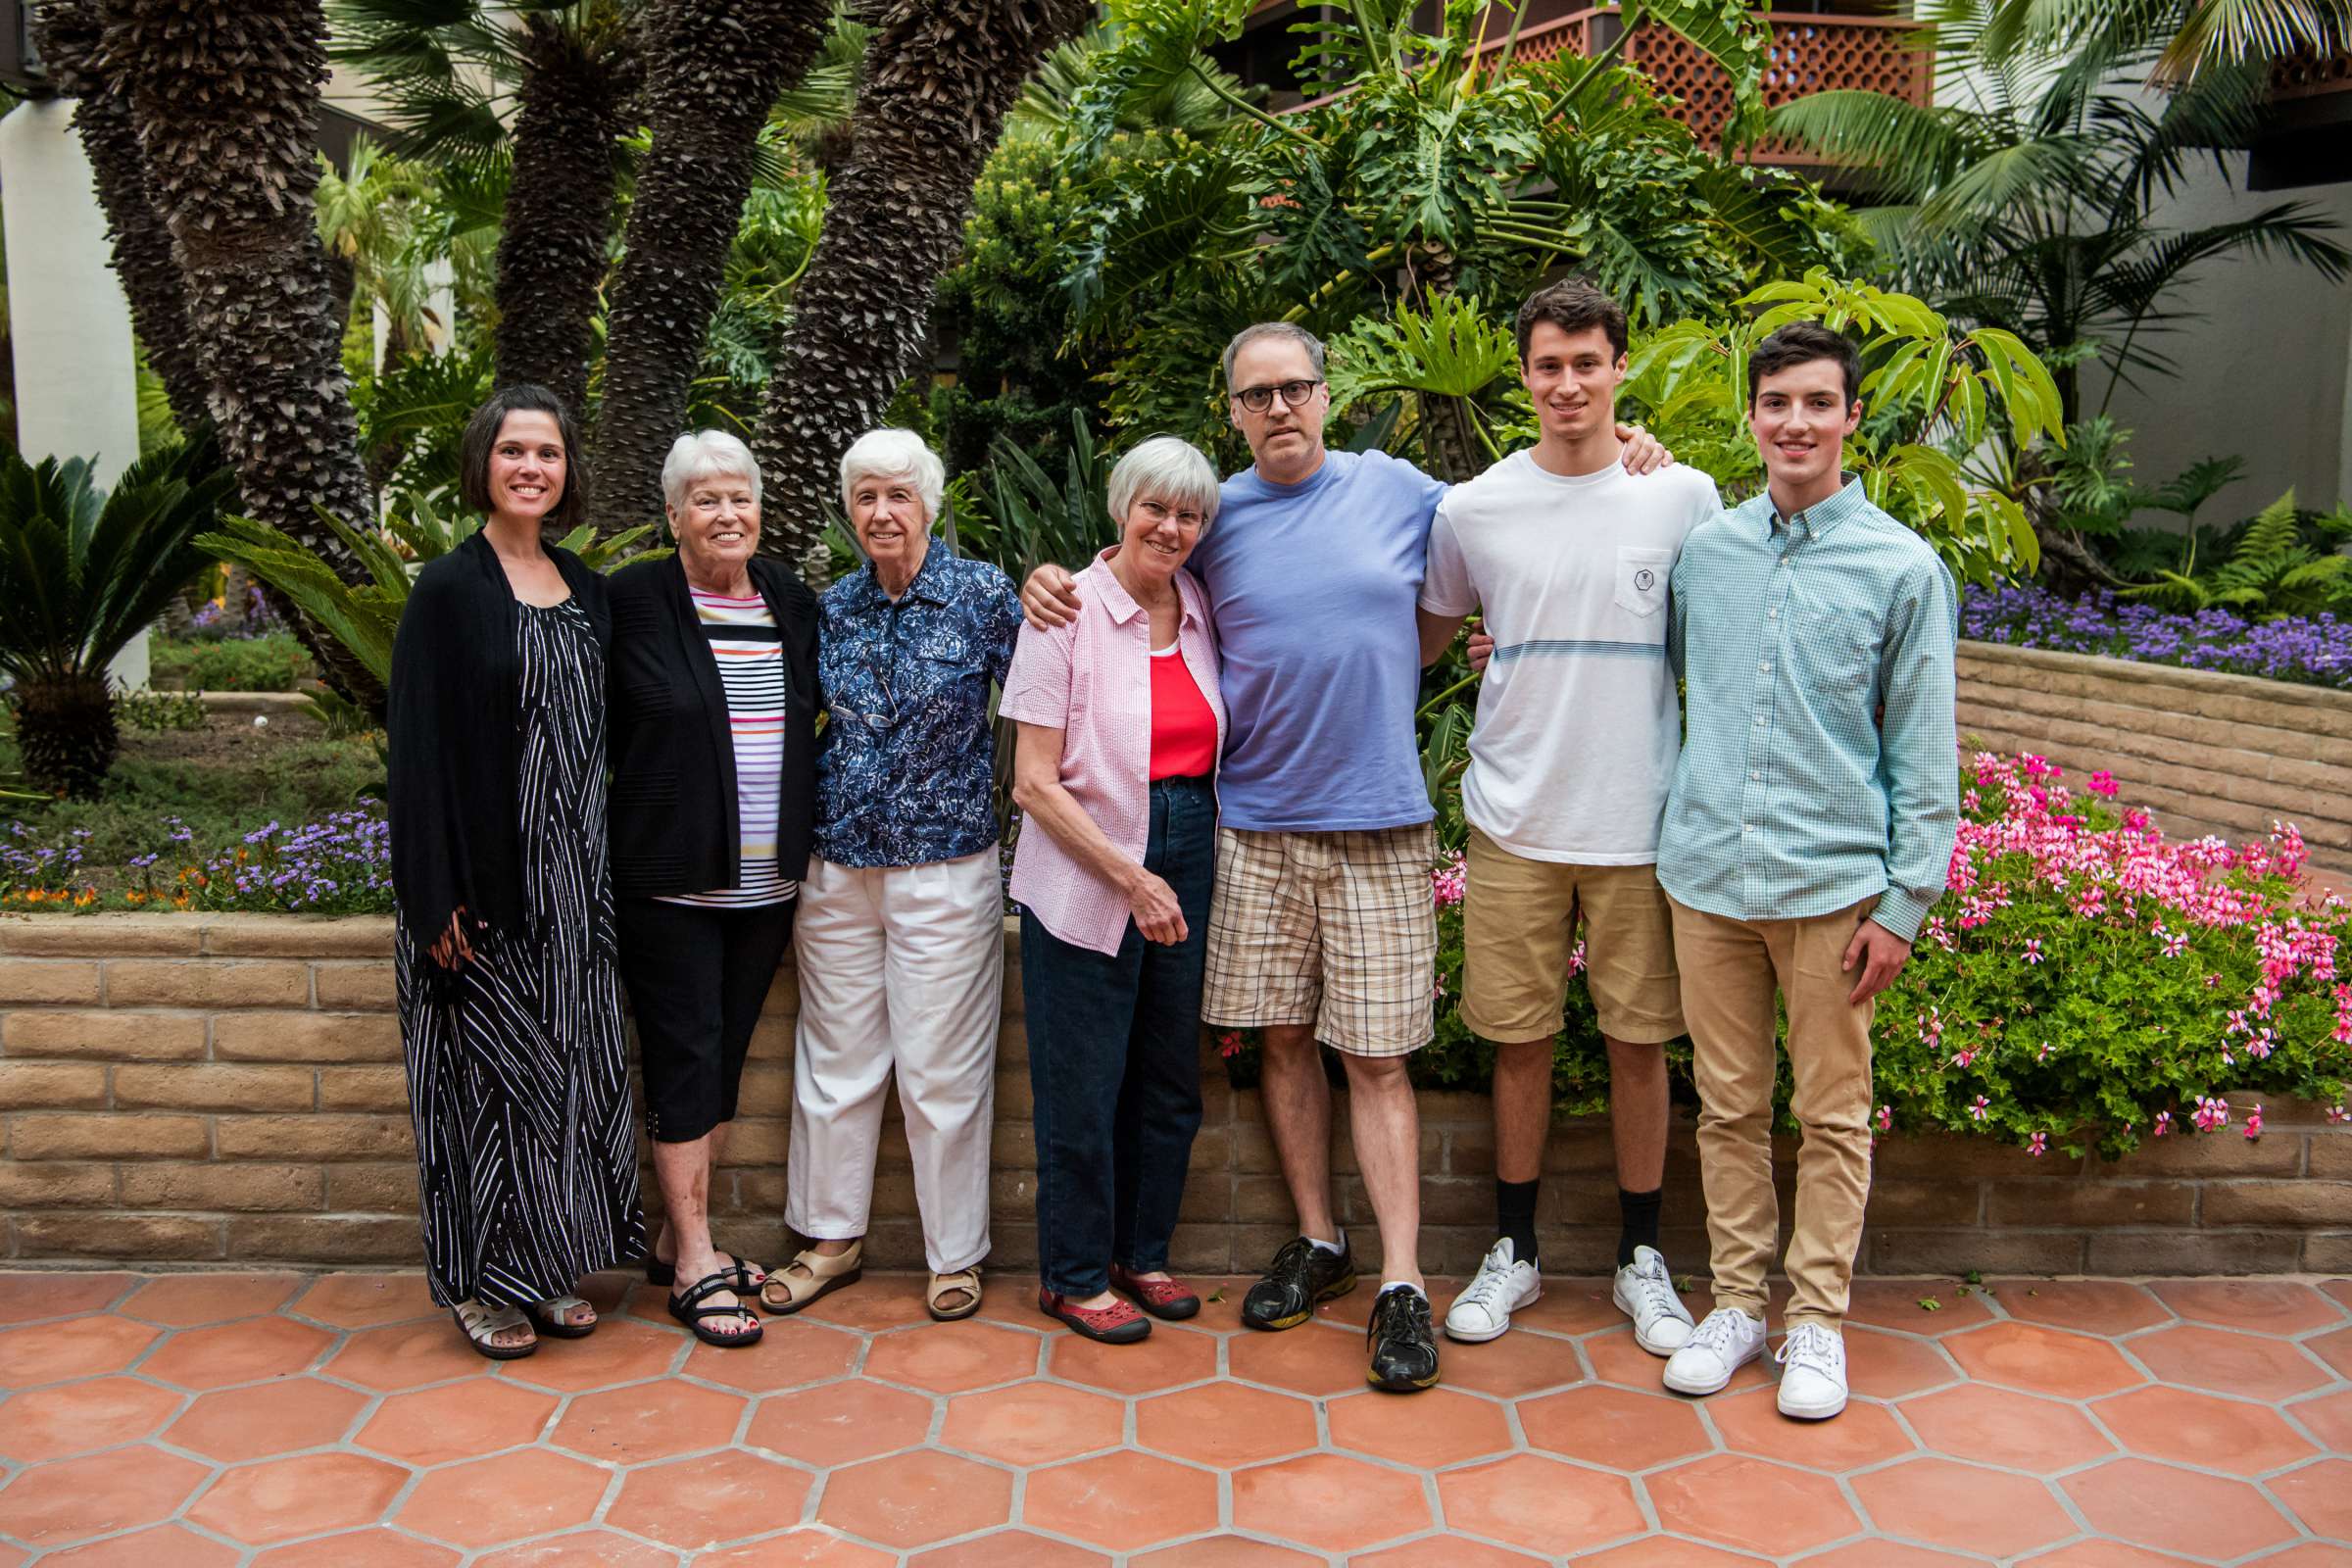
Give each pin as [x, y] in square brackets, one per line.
[1120, 728]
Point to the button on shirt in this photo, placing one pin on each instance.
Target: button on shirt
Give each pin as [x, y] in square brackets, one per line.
[1796, 796]
[905, 769]
[1091, 680]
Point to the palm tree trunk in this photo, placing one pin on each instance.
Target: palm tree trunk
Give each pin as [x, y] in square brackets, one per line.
[716, 70]
[224, 98]
[558, 215]
[66, 733]
[940, 77]
[68, 34]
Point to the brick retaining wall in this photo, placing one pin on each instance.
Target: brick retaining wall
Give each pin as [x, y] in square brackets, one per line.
[182, 1089]
[2207, 753]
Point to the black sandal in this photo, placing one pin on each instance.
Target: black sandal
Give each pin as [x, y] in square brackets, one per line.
[658, 1272]
[689, 1311]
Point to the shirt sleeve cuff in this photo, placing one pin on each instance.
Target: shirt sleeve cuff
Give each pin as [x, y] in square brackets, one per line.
[1901, 912]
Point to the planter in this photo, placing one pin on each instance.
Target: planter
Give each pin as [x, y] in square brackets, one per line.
[2229, 754]
[228, 1091]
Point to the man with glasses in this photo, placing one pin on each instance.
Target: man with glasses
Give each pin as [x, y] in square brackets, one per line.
[1322, 926]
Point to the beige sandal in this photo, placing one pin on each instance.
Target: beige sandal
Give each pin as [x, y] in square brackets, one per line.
[481, 1324]
[811, 1275]
[558, 1317]
[943, 1285]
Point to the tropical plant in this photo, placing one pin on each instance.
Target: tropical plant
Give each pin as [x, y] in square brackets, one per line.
[2025, 197]
[715, 69]
[1430, 169]
[2192, 35]
[937, 84]
[68, 34]
[82, 571]
[379, 255]
[364, 618]
[2273, 569]
[534, 94]
[1932, 394]
[226, 101]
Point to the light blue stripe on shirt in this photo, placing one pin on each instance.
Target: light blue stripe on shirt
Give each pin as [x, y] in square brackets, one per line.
[1820, 763]
[1562, 646]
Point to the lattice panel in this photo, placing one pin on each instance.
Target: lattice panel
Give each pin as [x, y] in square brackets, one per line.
[1807, 53]
[2307, 76]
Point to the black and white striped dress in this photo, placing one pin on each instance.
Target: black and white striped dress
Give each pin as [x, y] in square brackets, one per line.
[526, 1138]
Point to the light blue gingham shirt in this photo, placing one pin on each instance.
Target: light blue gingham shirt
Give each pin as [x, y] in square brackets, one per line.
[1821, 764]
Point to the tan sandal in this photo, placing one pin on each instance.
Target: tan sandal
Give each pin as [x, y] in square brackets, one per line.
[558, 1317]
[481, 1324]
[809, 1275]
[943, 1285]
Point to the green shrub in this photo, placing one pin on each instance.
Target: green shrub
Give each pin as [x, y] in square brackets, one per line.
[270, 662]
[159, 711]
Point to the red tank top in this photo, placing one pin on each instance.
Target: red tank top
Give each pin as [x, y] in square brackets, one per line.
[1184, 731]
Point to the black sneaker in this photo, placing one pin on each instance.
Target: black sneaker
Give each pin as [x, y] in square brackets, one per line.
[1404, 1352]
[1301, 1275]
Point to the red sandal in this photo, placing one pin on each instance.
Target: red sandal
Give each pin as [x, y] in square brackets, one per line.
[1163, 1298]
[1116, 1324]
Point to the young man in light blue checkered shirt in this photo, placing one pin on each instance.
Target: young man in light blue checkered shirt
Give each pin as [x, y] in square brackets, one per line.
[1808, 832]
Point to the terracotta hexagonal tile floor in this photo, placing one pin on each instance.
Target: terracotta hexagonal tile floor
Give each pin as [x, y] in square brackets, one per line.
[1752, 1505]
[1963, 1507]
[279, 1500]
[913, 1499]
[269, 1421]
[1329, 1502]
[1122, 1501]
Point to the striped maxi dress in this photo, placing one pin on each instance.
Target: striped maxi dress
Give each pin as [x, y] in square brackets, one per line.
[526, 1142]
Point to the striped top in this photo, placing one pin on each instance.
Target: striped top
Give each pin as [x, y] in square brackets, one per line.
[750, 652]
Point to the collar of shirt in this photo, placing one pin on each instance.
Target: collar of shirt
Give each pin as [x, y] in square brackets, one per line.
[1121, 604]
[865, 589]
[1819, 517]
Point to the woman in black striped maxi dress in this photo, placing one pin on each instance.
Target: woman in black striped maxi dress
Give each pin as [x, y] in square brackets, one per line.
[509, 995]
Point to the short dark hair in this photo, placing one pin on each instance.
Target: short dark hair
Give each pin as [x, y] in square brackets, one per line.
[1799, 343]
[1572, 306]
[481, 437]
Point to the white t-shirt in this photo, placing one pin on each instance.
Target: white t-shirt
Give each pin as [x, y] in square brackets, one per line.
[1576, 729]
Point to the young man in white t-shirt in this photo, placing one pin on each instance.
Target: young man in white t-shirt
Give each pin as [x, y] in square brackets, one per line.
[1570, 761]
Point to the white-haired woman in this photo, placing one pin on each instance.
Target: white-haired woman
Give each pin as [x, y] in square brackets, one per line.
[1121, 727]
[711, 702]
[902, 912]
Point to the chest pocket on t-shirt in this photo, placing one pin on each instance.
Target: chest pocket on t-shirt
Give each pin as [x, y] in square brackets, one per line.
[1641, 581]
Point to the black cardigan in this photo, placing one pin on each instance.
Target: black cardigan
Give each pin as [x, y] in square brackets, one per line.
[453, 741]
[675, 824]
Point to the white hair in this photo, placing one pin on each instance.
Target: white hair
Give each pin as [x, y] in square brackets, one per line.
[1167, 470]
[894, 454]
[707, 455]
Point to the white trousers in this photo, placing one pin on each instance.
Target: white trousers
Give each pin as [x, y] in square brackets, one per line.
[901, 968]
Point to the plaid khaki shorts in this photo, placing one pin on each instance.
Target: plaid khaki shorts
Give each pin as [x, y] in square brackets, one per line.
[1337, 930]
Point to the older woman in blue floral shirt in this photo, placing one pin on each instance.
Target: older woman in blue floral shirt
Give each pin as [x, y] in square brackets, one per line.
[900, 934]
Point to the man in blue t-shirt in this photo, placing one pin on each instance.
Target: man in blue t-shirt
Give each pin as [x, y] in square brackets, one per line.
[1322, 925]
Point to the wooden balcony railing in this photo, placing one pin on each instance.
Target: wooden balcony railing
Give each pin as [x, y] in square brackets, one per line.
[1808, 54]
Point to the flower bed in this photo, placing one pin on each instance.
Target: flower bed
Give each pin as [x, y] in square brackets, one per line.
[340, 864]
[2086, 983]
[2313, 650]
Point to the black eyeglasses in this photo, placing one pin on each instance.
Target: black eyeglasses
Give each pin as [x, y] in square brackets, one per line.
[1258, 399]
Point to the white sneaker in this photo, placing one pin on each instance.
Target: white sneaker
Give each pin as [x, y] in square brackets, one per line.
[1644, 1293]
[1724, 1342]
[1503, 1286]
[1812, 1372]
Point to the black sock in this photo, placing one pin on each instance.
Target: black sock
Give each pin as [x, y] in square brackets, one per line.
[1515, 1216]
[1637, 1221]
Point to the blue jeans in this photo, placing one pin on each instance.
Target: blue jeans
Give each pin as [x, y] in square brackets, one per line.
[1114, 1062]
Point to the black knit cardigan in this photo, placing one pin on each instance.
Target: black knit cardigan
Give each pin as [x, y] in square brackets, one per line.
[456, 745]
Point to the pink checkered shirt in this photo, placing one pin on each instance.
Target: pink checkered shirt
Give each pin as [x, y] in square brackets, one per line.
[1091, 680]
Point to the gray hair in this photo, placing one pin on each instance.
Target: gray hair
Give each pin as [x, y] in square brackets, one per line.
[1167, 470]
[707, 455]
[1289, 331]
[894, 454]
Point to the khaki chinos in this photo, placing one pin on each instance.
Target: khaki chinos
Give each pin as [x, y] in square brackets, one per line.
[1730, 971]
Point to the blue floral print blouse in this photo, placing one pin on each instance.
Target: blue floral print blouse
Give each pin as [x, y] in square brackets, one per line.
[906, 768]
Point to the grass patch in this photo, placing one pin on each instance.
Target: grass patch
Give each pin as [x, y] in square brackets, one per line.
[270, 662]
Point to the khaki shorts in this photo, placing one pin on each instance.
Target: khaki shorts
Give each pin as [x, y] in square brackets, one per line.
[1337, 930]
[1519, 920]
